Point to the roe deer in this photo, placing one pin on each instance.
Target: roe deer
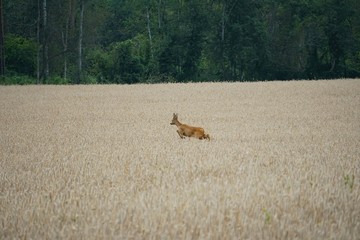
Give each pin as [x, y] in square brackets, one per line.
[189, 131]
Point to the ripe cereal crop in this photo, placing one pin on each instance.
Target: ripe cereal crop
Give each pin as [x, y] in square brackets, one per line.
[103, 162]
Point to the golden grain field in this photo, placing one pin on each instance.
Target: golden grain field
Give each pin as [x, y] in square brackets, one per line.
[103, 161]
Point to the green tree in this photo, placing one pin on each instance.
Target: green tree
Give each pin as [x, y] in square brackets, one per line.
[20, 54]
[126, 41]
[125, 63]
[242, 42]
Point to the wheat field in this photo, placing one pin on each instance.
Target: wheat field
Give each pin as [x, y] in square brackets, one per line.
[103, 161]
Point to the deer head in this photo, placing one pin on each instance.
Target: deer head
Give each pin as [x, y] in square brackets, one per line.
[174, 120]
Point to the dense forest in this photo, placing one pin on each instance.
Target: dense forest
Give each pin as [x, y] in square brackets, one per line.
[127, 41]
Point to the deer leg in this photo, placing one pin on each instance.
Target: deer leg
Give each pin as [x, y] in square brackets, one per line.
[180, 134]
[207, 136]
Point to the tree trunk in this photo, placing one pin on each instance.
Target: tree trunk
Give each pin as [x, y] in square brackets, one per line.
[45, 71]
[159, 14]
[2, 49]
[222, 47]
[223, 23]
[65, 47]
[79, 78]
[149, 28]
[65, 37]
[38, 43]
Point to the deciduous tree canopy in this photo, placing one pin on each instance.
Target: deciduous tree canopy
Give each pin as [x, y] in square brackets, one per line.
[124, 41]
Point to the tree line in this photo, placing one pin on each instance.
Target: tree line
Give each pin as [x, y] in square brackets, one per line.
[125, 41]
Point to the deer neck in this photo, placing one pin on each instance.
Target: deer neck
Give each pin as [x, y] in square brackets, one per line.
[177, 123]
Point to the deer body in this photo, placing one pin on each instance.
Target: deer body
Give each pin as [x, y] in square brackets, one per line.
[189, 131]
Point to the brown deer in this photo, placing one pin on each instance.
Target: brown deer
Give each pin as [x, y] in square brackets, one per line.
[189, 131]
